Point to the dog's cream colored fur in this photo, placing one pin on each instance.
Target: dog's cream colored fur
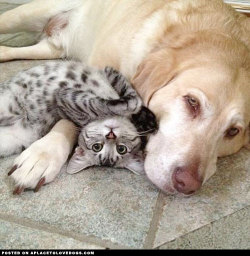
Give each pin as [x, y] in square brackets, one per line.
[169, 49]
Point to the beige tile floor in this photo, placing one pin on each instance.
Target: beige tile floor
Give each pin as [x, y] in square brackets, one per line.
[105, 208]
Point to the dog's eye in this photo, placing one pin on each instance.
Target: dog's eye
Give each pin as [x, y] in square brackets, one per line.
[232, 132]
[193, 104]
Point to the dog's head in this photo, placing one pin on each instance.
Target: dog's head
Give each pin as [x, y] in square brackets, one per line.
[199, 89]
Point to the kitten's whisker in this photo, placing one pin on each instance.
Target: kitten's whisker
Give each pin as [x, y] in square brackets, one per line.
[94, 134]
[151, 130]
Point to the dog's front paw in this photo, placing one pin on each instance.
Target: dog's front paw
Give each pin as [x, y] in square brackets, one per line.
[39, 164]
[5, 53]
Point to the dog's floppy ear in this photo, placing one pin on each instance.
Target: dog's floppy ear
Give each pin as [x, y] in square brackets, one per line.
[154, 72]
[245, 29]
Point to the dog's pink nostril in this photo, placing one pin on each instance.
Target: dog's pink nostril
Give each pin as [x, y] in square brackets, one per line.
[185, 181]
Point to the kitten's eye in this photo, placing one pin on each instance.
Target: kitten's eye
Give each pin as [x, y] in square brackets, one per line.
[97, 147]
[232, 132]
[121, 149]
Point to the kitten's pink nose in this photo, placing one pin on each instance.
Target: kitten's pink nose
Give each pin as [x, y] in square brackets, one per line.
[111, 135]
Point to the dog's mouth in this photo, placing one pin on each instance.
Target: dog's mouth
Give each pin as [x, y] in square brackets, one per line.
[169, 190]
[166, 188]
[179, 180]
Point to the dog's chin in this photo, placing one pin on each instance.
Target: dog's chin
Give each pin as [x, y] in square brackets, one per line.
[169, 191]
[166, 189]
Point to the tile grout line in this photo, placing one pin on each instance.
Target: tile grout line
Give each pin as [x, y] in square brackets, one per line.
[159, 206]
[206, 225]
[92, 240]
[158, 247]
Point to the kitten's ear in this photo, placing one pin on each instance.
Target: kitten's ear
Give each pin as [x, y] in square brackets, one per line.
[144, 121]
[78, 162]
[135, 163]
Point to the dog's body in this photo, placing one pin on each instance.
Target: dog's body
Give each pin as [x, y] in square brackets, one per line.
[100, 33]
[199, 49]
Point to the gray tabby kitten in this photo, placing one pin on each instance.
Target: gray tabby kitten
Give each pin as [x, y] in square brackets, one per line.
[101, 101]
[112, 142]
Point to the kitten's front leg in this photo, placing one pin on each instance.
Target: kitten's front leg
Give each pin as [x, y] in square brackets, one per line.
[42, 161]
[129, 101]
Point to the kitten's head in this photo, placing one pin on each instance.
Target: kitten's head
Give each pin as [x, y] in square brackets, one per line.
[113, 142]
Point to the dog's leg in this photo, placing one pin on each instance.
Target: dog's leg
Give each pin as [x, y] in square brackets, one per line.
[41, 50]
[42, 161]
[34, 15]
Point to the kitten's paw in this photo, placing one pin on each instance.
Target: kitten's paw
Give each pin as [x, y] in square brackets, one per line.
[39, 164]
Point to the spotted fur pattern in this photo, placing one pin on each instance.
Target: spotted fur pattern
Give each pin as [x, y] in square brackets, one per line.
[35, 99]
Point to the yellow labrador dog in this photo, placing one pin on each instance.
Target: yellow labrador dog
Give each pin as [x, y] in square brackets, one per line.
[189, 60]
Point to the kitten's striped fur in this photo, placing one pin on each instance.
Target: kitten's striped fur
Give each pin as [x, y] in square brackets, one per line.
[35, 99]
